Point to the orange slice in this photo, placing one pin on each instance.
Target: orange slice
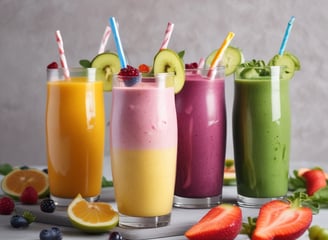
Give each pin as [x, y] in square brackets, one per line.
[17, 180]
[92, 217]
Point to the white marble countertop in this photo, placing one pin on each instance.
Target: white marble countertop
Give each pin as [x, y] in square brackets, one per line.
[181, 220]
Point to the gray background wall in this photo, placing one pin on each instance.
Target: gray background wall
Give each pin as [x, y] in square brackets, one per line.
[27, 45]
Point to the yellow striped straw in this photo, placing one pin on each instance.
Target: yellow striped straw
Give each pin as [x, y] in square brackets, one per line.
[220, 52]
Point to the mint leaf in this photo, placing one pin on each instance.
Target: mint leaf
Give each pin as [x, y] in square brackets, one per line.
[296, 183]
[106, 183]
[181, 54]
[85, 63]
[5, 168]
[29, 217]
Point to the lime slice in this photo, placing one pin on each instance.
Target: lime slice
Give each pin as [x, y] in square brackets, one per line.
[107, 64]
[168, 61]
[289, 61]
[232, 58]
[92, 217]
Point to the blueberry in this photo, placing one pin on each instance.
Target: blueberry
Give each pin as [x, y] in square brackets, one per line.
[56, 233]
[47, 205]
[115, 236]
[46, 234]
[17, 221]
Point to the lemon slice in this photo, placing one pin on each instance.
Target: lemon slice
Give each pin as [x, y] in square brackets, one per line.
[92, 217]
[17, 180]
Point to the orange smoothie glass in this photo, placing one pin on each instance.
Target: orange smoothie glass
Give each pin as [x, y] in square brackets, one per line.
[143, 147]
[75, 122]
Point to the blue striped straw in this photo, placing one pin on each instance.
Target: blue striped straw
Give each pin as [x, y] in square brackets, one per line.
[117, 41]
[285, 39]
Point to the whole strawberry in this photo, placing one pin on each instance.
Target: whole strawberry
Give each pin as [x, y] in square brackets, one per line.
[7, 205]
[29, 196]
[315, 179]
[223, 222]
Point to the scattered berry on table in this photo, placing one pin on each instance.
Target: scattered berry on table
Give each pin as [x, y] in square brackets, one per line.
[56, 233]
[7, 205]
[47, 205]
[53, 233]
[18, 221]
[29, 196]
[115, 236]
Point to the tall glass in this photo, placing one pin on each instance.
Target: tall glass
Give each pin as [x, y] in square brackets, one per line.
[201, 113]
[261, 134]
[143, 138]
[75, 134]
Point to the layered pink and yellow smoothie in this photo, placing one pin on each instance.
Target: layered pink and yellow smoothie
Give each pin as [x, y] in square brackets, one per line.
[143, 149]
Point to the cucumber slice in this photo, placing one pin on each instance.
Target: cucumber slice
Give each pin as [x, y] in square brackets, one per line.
[168, 61]
[107, 64]
[289, 61]
[232, 57]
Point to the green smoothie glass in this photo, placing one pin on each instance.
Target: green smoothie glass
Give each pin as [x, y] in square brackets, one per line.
[261, 134]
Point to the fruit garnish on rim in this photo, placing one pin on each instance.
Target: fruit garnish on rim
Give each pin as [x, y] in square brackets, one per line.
[92, 217]
[107, 64]
[130, 75]
[222, 222]
[231, 59]
[168, 61]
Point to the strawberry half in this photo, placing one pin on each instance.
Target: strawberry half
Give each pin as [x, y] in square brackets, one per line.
[280, 220]
[315, 179]
[222, 222]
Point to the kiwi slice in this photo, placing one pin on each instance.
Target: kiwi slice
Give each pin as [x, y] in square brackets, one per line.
[232, 57]
[168, 61]
[289, 61]
[107, 64]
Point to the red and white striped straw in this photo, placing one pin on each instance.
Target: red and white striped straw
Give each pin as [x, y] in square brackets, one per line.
[104, 40]
[201, 62]
[62, 57]
[167, 36]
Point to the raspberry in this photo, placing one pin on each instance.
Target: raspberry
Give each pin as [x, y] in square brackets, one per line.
[52, 65]
[192, 65]
[144, 68]
[7, 205]
[47, 205]
[129, 71]
[29, 196]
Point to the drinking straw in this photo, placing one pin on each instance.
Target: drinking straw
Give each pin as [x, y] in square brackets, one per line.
[167, 36]
[62, 57]
[104, 39]
[286, 35]
[117, 41]
[219, 54]
[201, 62]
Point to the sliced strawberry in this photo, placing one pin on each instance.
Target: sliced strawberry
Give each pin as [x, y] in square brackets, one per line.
[315, 179]
[280, 220]
[222, 222]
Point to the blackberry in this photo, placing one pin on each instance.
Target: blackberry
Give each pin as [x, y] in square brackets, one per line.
[47, 205]
[115, 236]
